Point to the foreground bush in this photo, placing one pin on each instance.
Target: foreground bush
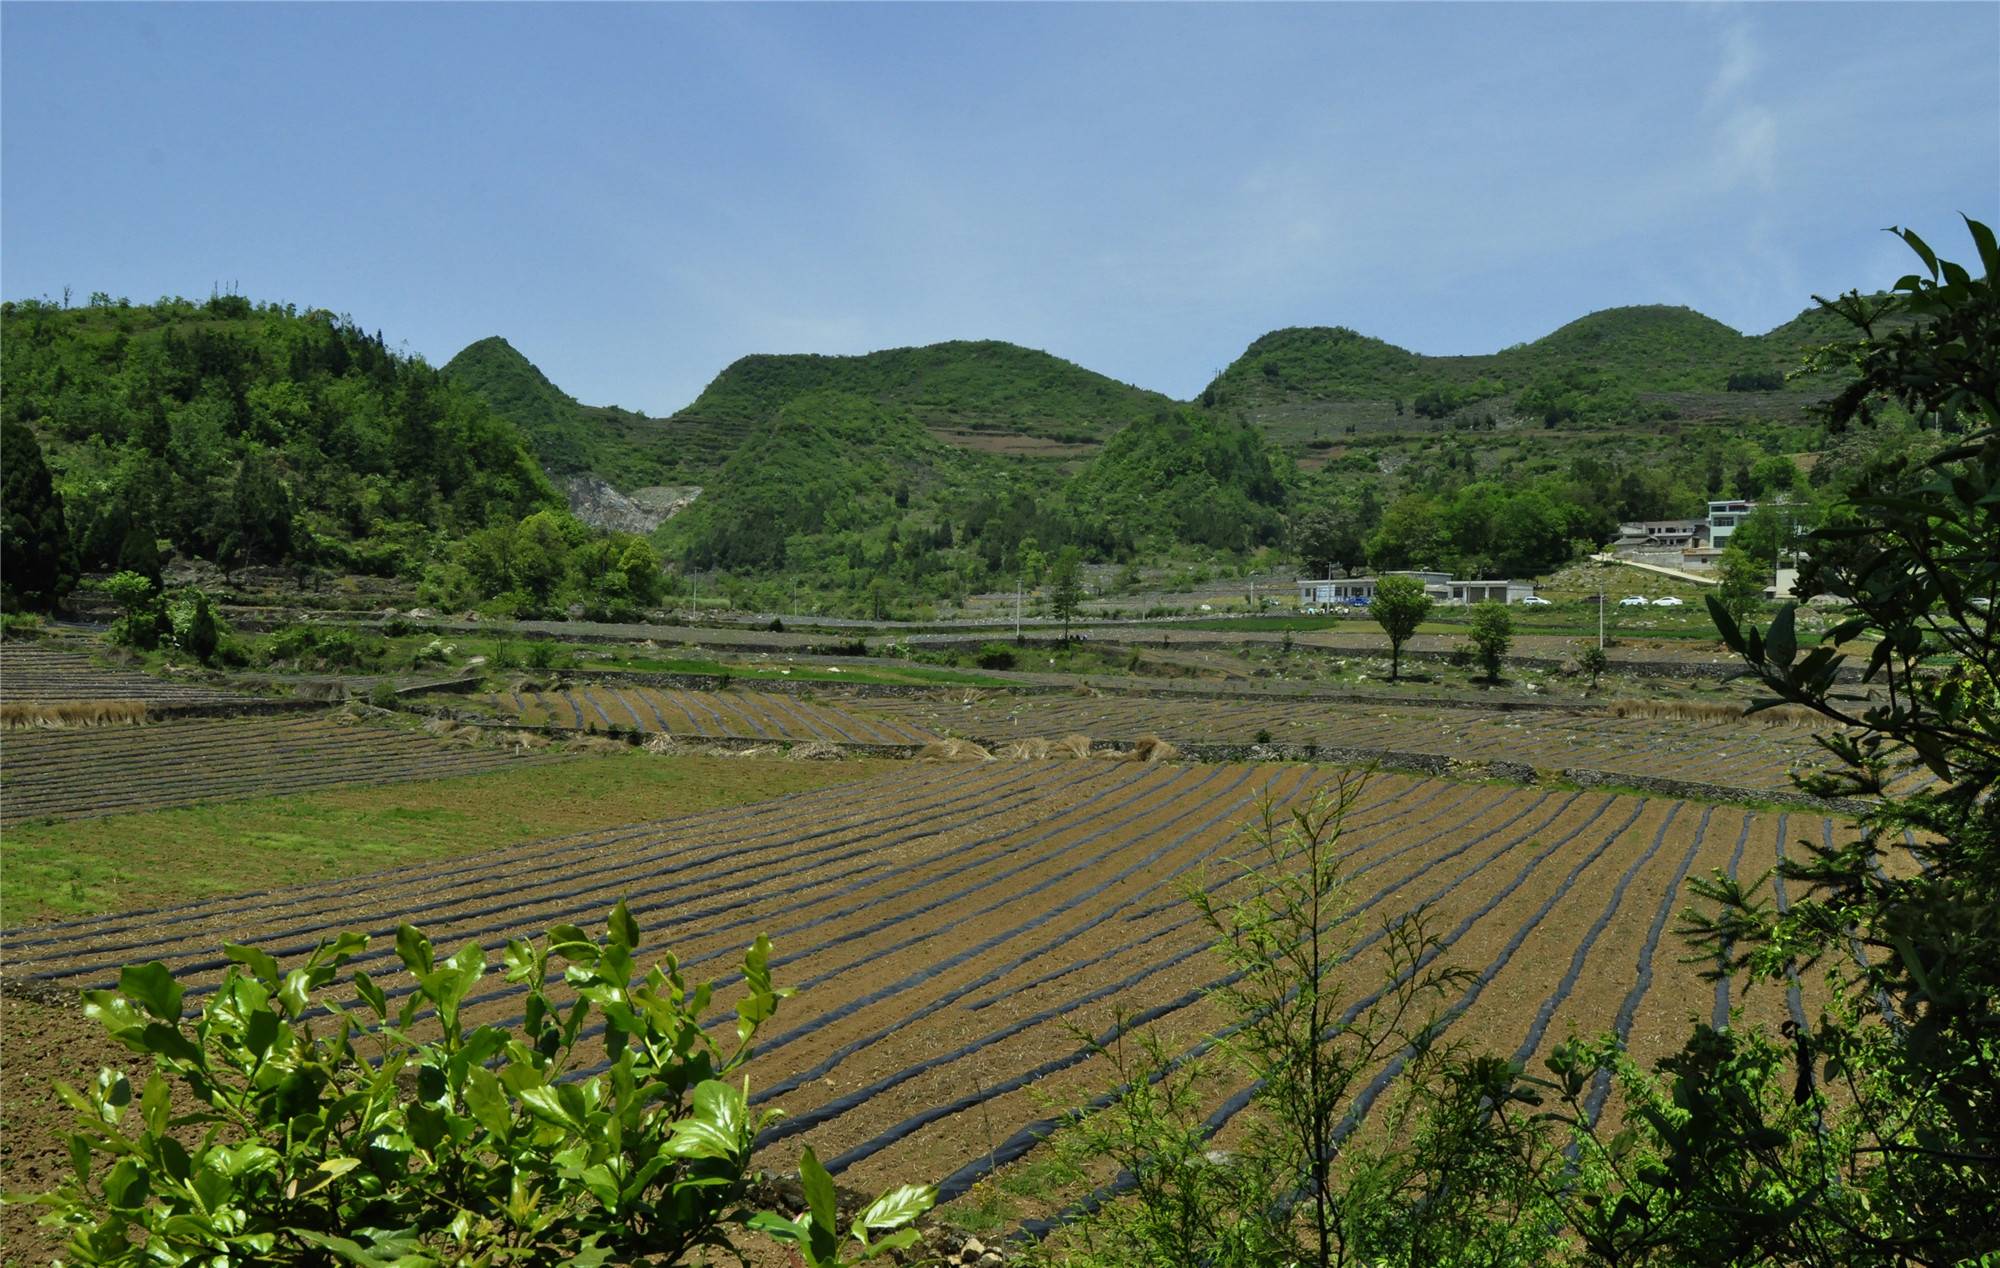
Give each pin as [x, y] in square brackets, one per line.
[327, 1131]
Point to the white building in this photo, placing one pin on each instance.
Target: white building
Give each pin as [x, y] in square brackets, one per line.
[1724, 519]
[1441, 587]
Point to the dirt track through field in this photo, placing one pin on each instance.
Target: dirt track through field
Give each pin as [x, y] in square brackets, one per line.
[954, 926]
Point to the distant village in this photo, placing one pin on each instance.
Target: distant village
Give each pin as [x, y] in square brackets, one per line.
[1687, 549]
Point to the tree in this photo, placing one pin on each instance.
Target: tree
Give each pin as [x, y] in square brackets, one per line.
[1898, 1167]
[1492, 634]
[1741, 592]
[137, 596]
[1327, 537]
[1066, 586]
[202, 637]
[257, 522]
[1308, 1029]
[1591, 659]
[1764, 532]
[140, 552]
[1399, 607]
[37, 563]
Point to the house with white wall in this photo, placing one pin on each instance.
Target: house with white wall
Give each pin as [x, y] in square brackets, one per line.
[1442, 587]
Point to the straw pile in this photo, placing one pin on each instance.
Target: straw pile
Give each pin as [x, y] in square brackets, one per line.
[1039, 748]
[1787, 715]
[63, 714]
[953, 750]
[1147, 748]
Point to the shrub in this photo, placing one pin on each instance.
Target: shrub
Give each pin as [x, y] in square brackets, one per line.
[336, 1136]
[383, 695]
[323, 647]
[1590, 658]
[541, 654]
[995, 656]
[135, 595]
[1492, 634]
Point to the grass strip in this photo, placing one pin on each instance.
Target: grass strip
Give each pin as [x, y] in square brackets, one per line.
[117, 862]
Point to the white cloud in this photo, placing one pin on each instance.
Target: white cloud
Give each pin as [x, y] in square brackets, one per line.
[1741, 60]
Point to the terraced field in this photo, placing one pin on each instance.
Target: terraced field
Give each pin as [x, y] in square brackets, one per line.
[112, 770]
[39, 675]
[1731, 754]
[948, 924]
[759, 715]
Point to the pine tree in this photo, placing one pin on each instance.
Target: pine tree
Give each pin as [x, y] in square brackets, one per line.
[37, 564]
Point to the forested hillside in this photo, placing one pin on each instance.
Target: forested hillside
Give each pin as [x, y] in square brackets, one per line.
[853, 477]
[983, 385]
[1621, 366]
[250, 433]
[621, 446]
[1185, 477]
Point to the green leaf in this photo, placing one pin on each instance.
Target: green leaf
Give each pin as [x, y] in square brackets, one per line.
[487, 1102]
[371, 994]
[331, 1169]
[154, 988]
[263, 965]
[125, 1185]
[546, 1104]
[1922, 248]
[718, 1127]
[1989, 252]
[295, 996]
[820, 1197]
[897, 1207]
[1781, 644]
[624, 930]
[413, 949]
[602, 1185]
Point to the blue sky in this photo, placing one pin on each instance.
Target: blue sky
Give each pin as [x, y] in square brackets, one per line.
[637, 195]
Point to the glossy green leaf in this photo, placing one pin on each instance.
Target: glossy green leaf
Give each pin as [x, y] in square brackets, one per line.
[153, 988]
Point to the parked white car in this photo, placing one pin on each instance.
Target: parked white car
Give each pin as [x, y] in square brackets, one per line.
[1536, 601]
[1667, 602]
[1632, 601]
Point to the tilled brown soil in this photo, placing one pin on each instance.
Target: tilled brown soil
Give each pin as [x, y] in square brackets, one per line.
[115, 770]
[765, 715]
[954, 927]
[1729, 754]
[45, 675]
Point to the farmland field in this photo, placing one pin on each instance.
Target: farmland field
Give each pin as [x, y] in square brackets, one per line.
[79, 867]
[763, 715]
[41, 675]
[66, 774]
[1726, 753]
[949, 924]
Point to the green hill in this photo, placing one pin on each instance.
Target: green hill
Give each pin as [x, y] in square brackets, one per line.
[1185, 477]
[982, 385]
[627, 449]
[824, 462]
[255, 433]
[1621, 366]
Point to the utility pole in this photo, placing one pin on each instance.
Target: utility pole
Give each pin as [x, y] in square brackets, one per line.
[1017, 607]
[1600, 607]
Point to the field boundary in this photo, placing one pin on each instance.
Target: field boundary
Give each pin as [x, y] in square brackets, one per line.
[1437, 765]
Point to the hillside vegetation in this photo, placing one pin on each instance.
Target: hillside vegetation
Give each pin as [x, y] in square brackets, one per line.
[985, 384]
[1617, 367]
[250, 433]
[627, 448]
